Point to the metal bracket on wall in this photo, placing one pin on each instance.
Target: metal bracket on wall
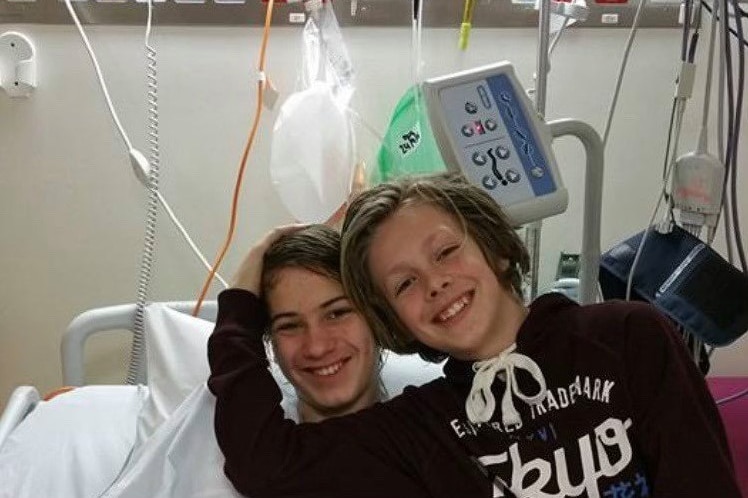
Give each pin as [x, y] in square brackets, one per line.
[369, 13]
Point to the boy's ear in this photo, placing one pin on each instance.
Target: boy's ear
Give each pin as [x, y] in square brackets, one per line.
[503, 265]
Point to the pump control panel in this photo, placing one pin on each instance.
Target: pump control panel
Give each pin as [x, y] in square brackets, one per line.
[486, 127]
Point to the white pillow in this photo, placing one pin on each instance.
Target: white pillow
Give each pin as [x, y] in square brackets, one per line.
[73, 445]
[399, 371]
[176, 360]
[181, 459]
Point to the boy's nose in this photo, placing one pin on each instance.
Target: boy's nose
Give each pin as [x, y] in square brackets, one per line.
[318, 342]
[437, 285]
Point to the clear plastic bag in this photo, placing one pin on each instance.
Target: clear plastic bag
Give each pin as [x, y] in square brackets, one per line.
[325, 57]
[312, 157]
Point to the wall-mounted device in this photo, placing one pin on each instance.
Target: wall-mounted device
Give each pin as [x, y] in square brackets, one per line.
[487, 128]
[17, 64]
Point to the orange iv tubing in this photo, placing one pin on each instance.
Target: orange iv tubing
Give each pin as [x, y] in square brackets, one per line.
[261, 82]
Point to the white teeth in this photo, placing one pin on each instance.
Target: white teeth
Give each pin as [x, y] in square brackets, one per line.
[455, 308]
[328, 370]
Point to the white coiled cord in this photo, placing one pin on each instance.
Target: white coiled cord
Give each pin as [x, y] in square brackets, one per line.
[145, 174]
[135, 373]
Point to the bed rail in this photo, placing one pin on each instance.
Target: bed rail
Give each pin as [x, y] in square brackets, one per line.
[109, 318]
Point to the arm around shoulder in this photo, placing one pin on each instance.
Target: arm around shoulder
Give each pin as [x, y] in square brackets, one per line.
[248, 412]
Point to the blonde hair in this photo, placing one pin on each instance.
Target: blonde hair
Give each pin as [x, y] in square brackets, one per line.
[480, 217]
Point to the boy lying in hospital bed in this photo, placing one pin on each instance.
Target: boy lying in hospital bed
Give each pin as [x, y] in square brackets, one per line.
[181, 458]
[317, 329]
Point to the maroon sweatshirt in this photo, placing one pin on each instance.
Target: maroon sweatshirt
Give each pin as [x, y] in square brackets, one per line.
[626, 415]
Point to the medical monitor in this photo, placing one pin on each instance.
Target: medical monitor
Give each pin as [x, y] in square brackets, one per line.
[486, 127]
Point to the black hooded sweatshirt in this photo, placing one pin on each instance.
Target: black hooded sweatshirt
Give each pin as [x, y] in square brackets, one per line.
[626, 415]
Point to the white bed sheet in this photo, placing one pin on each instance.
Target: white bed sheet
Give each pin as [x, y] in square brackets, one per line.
[73, 446]
[181, 459]
[89, 443]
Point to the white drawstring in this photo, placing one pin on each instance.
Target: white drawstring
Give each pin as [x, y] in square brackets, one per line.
[481, 404]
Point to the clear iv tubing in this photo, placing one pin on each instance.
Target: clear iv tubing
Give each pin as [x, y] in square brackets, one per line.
[102, 84]
[622, 70]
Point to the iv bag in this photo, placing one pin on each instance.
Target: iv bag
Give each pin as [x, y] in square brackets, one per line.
[312, 154]
[408, 147]
[311, 159]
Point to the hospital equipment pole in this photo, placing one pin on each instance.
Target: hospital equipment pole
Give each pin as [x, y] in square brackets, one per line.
[532, 232]
[593, 200]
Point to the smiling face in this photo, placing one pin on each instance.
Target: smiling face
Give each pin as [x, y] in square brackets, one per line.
[322, 344]
[440, 284]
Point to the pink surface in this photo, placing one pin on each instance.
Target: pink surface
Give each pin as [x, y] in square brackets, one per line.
[735, 417]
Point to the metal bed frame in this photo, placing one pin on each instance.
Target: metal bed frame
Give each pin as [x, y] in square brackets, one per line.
[24, 399]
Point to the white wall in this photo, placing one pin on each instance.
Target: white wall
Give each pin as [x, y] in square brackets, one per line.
[72, 212]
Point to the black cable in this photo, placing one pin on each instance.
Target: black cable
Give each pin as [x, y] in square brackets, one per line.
[742, 13]
[669, 139]
[692, 46]
[730, 101]
[736, 137]
[730, 116]
[733, 397]
[686, 30]
[695, 36]
[494, 478]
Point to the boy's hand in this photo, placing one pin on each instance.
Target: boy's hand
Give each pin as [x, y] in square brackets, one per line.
[249, 274]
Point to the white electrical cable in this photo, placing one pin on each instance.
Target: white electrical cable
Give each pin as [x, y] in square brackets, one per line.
[366, 125]
[557, 36]
[378, 136]
[102, 84]
[418, 43]
[416, 53]
[681, 106]
[622, 69]
[188, 239]
[733, 397]
[702, 147]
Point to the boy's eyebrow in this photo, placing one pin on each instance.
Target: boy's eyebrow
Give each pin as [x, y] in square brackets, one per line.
[278, 316]
[332, 301]
[293, 314]
[428, 241]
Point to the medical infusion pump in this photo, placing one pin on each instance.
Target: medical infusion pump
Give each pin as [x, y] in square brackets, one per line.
[486, 127]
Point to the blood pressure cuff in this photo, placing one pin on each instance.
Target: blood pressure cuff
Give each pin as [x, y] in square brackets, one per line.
[685, 279]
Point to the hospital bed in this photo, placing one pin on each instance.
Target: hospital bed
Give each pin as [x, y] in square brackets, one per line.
[128, 441]
[99, 320]
[88, 433]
